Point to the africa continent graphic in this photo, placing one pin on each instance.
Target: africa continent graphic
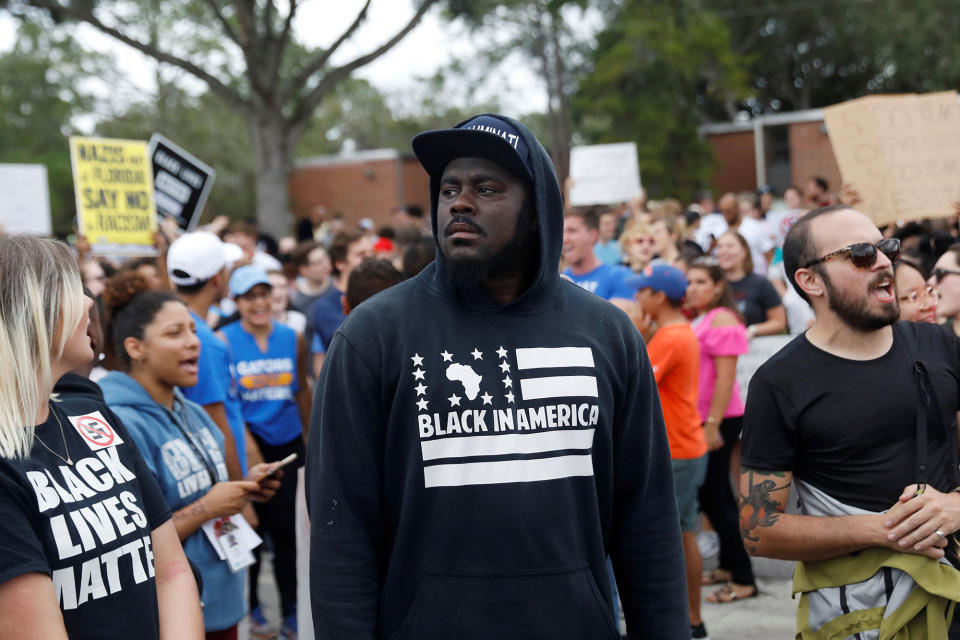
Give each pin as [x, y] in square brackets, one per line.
[466, 376]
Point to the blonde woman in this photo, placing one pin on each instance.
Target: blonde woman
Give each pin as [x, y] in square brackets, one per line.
[637, 242]
[89, 549]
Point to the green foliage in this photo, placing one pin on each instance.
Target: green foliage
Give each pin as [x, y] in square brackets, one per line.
[205, 127]
[38, 97]
[814, 54]
[658, 72]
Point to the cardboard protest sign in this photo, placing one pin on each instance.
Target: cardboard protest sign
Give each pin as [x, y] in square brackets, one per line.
[24, 199]
[901, 153]
[113, 183]
[604, 174]
[181, 182]
[761, 350]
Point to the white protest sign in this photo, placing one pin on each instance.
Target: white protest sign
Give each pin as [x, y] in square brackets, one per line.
[24, 199]
[604, 174]
[761, 350]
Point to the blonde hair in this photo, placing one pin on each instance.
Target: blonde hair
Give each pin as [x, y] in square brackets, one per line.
[41, 304]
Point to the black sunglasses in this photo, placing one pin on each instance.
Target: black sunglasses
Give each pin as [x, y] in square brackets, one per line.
[940, 274]
[863, 255]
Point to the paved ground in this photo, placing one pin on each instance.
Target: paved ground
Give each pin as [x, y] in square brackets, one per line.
[769, 616]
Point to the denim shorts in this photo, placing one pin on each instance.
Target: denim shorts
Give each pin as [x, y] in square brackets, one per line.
[688, 475]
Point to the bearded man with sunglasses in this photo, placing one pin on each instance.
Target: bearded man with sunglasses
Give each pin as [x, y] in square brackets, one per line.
[858, 416]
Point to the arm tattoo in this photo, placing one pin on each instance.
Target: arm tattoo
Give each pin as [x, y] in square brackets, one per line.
[190, 511]
[758, 509]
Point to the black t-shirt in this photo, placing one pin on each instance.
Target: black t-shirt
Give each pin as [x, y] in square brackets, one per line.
[86, 525]
[848, 427]
[754, 295]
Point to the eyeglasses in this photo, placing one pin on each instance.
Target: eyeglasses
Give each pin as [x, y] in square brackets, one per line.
[863, 255]
[646, 240]
[931, 293]
[940, 274]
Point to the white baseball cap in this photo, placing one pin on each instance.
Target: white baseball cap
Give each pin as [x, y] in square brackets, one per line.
[196, 257]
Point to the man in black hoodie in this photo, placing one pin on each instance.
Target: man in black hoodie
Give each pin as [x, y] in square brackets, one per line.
[485, 434]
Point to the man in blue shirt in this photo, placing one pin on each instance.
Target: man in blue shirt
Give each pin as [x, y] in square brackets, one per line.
[347, 250]
[580, 230]
[197, 264]
[607, 250]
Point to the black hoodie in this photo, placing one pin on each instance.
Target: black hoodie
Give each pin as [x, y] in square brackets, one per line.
[472, 464]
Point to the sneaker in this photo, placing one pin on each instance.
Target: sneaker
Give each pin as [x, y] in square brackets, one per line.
[260, 629]
[708, 543]
[699, 632]
[289, 629]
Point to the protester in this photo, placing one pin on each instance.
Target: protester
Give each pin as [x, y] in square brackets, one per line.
[666, 232]
[723, 338]
[51, 564]
[371, 276]
[946, 277]
[270, 360]
[147, 269]
[637, 243]
[747, 223]
[93, 275]
[403, 514]
[917, 299]
[674, 355]
[417, 256]
[858, 416]
[246, 236]
[607, 249]
[280, 303]
[817, 192]
[347, 250]
[197, 265]
[580, 230]
[152, 334]
[312, 282]
[757, 300]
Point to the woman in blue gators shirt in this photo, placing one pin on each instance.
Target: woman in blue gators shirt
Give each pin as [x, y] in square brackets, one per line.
[270, 361]
[152, 339]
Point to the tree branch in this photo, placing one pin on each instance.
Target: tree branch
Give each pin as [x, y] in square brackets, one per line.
[301, 78]
[288, 24]
[222, 19]
[308, 103]
[216, 86]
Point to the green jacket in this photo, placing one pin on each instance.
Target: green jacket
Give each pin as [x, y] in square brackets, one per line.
[905, 596]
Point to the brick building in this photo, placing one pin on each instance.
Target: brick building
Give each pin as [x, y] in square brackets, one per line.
[362, 184]
[779, 150]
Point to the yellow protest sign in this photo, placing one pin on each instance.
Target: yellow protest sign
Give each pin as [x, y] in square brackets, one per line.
[113, 183]
[901, 153]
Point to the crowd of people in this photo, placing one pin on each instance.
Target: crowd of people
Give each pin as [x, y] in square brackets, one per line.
[185, 390]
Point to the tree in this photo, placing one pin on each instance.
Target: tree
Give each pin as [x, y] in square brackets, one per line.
[814, 54]
[659, 71]
[540, 29]
[245, 52]
[38, 97]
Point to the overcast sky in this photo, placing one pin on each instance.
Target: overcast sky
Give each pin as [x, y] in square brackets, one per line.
[427, 48]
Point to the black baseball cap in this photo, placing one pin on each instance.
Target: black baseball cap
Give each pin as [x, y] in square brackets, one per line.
[485, 136]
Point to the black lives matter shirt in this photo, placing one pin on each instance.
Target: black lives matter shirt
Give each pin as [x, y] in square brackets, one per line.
[848, 427]
[86, 525]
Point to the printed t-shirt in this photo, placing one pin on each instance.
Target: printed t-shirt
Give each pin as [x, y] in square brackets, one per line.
[86, 525]
[715, 342]
[608, 252]
[675, 353]
[268, 382]
[606, 281]
[216, 382]
[327, 316]
[755, 295]
[848, 427]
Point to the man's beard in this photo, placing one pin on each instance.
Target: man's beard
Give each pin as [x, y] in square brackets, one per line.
[855, 313]
[469, 272]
